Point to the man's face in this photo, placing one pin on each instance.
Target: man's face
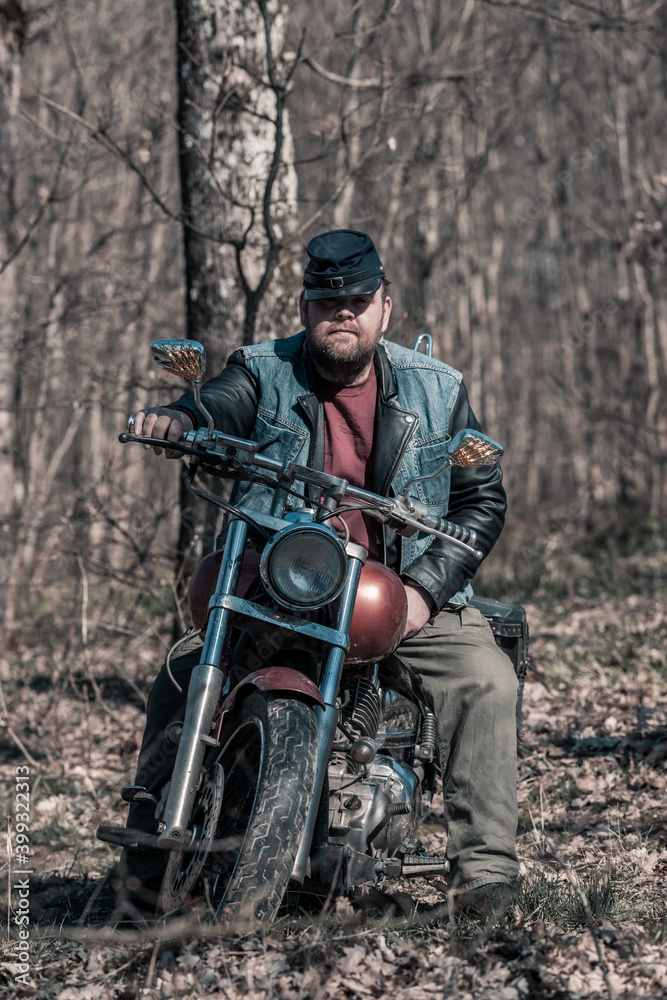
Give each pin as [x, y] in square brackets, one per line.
[342, 333]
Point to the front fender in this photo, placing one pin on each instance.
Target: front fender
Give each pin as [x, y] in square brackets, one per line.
[273, 679]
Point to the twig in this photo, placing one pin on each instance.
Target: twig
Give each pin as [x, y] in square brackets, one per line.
[34, 222]
[151, 966]
[179, 610]
[538, 840]
[344, 81]
[605, 22]
[89, 742]
[177, 582]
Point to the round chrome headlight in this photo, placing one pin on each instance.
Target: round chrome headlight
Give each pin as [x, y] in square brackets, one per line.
[304, 566]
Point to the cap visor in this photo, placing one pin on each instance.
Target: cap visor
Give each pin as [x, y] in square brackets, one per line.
[367, 287]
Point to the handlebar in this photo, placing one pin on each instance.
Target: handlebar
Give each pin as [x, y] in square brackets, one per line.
[406, 515]
[126, 438]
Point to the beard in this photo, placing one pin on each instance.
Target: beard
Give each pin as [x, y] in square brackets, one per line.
[342, 361]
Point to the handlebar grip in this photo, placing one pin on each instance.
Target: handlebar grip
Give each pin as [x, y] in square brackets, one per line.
[466, 535]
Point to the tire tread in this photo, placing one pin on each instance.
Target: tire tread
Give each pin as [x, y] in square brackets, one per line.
[281, 805]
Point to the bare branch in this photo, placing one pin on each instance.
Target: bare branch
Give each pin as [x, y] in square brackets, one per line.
[101, 135]
[344, 81]
[37, 218]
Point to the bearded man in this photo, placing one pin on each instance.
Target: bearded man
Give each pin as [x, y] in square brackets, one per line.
[341, 398]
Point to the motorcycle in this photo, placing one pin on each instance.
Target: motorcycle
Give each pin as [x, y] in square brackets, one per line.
[306, 755]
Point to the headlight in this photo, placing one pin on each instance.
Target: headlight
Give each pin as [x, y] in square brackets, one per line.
[304, 566]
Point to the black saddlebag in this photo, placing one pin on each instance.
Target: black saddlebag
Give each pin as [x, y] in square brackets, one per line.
[510, 628]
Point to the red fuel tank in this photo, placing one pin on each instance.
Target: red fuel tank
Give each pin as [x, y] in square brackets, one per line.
[379, 616]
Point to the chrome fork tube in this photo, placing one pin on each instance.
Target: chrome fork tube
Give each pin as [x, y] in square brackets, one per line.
[327, 717]
[203, 696]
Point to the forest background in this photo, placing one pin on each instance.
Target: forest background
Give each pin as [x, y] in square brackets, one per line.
[161, 170]
[508, 160]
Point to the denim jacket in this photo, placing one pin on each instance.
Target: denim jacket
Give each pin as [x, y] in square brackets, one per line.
[268, 393]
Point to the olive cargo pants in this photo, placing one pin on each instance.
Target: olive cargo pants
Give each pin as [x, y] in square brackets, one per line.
[472, 688]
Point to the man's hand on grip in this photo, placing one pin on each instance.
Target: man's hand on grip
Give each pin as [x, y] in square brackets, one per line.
[164, 424]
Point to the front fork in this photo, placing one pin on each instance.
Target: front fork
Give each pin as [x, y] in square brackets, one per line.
[327, 717]
[202, 701]
[204, 695]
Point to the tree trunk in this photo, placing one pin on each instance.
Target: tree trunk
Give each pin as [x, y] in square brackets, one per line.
[237, 177]
[238, 187]
[11, 32]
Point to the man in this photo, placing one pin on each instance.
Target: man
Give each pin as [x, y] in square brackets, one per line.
[339, 397]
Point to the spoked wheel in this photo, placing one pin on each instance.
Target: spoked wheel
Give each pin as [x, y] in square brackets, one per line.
[182, 875]
[268, 758]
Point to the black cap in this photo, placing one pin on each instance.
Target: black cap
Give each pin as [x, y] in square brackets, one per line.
[342, 262]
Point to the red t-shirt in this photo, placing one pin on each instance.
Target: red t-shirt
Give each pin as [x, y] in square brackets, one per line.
[349, 425]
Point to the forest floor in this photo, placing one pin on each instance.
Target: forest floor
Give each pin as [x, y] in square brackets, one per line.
[591, 918]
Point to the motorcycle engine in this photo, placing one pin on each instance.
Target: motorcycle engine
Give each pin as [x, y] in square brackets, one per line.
[375, 809]
[377, 812]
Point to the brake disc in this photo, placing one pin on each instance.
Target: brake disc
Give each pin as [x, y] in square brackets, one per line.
[184, 867]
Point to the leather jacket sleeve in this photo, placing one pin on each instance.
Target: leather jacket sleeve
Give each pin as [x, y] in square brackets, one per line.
[476, 500]
[231, 398]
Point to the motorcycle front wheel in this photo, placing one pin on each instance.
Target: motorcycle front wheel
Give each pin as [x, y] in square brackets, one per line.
[268, 759]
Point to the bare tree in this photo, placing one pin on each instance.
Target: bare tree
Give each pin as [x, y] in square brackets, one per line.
[11, 35]
[237, 178]
[238, 187]
[89, 245]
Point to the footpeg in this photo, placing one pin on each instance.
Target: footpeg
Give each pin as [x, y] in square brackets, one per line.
[122, 836]
[416, 864]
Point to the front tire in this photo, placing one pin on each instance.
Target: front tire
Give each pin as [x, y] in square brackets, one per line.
[268, 756]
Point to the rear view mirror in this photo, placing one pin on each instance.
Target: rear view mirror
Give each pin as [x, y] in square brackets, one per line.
[185, 358]
[467, 448]
[472, 448]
